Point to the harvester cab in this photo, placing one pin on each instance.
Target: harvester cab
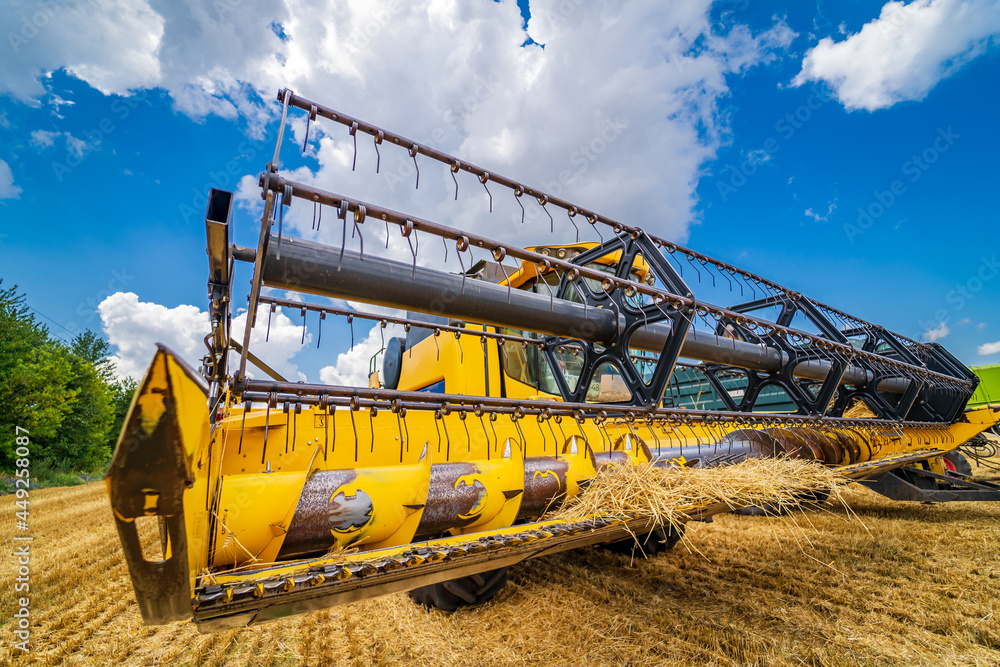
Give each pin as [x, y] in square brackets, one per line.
[513, 385]
[426, 360]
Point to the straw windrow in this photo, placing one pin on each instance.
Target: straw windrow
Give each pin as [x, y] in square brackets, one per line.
[670, 496]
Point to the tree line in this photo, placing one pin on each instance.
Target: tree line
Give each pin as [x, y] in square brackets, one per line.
[66, 395]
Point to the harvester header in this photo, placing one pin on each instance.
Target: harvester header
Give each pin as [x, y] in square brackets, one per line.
[518, 379]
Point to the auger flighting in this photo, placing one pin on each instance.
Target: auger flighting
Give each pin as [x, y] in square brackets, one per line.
[515, 383]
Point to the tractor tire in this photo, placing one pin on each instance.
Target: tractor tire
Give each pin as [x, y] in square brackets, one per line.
[652, 543]
[462, 592]
[957, 459]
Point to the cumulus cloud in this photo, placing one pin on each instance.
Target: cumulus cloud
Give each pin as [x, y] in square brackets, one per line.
[112, 45]
[135, 327]
[351, 367]
[987, 349]
[618, 112]
[937, 333]
[7, 188]
[569, 117]
[903, 53]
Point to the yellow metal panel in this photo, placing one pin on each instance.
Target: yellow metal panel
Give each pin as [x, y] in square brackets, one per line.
[503, 480]
[249, 506]
[398, 495]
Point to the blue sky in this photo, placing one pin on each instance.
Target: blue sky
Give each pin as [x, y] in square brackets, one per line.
[887, 212]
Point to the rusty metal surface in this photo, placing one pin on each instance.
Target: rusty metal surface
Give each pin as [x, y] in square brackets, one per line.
[318, 512]
[450, 502]
[544, 485]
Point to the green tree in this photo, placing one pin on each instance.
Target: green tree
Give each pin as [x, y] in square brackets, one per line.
[122, 392]
[66, 397]
[81, 442]
[34, 376]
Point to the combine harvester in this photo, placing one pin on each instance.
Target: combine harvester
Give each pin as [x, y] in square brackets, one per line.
[516, 382]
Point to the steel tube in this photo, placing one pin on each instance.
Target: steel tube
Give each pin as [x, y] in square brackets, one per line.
[319, 269]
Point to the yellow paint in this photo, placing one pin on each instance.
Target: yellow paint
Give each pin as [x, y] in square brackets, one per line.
[151, 400]
[398, 495]
[251, 504]
[497, 475]
[229, 480]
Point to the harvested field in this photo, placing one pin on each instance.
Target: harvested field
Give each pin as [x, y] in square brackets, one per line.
[899, 584]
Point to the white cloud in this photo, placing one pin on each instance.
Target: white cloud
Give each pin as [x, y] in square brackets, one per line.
[822, 217]
[134, 328]
[7, 188]
[76, 146]
[450, 73]
[937, 333]
[758, 156]
[964, 321]
[618, 111]
[44, 138]
[988, 348]
[981, 326]
[276, 345]
[903, 53]
[351, 367]
[112, 45]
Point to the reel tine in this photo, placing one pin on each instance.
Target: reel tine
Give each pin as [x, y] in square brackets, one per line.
[542, 201]
[354, 134]
[455, 166]
[342, 214]
[413, 154]
[483, 178]
[571, 212]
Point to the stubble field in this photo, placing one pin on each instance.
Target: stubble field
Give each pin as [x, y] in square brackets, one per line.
[885, 584]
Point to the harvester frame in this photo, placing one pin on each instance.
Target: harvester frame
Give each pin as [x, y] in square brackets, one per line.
[329, 494]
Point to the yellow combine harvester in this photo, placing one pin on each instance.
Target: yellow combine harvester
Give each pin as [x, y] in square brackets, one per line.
[517, 380]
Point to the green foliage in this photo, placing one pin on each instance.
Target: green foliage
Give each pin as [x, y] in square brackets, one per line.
[81, 441]
[122, 392]
[67, 397]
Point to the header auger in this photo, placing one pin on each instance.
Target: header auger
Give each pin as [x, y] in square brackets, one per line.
[515, 382]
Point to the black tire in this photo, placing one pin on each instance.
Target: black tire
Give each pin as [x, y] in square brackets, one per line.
[462, 592]
[652, 543]
[962, 465]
